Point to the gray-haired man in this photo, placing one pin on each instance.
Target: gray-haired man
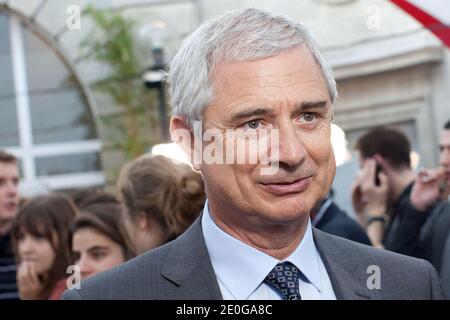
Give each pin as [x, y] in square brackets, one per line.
[244, 74]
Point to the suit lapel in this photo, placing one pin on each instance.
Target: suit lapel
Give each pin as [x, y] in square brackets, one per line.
[189, 267]
[347, 285]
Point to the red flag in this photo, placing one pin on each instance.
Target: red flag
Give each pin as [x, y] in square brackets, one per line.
[429, 21]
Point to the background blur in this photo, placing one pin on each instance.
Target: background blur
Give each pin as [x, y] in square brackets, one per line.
[80, 86]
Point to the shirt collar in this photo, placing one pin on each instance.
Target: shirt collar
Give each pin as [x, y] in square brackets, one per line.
[242, 268]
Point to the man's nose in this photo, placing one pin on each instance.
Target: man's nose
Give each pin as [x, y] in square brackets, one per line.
[291, 149]
[445, 157]
[12, 188]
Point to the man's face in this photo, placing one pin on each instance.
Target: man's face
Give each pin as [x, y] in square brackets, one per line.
[9, 195]
[287, 93]
[444, 158]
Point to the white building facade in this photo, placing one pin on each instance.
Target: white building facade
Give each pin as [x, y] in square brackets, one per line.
[390, 70]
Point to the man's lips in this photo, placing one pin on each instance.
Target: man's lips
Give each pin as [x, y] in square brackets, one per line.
[284, 188]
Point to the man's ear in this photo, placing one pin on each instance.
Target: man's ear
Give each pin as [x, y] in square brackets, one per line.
[183, 135]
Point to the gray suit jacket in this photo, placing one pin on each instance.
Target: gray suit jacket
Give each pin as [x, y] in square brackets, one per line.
[182, 270]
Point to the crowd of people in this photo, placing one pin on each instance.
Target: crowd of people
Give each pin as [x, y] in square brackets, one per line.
[93, 230]
[253, 236]
[401, 210]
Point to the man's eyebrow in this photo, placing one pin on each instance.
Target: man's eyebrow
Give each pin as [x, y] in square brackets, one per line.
[312, 105]
[307, 105]
[249, 113]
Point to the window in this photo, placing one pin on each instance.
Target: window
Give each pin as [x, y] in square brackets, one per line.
[45, 116]
[8, 121]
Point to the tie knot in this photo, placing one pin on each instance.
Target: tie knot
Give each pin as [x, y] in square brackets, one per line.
[284, 280]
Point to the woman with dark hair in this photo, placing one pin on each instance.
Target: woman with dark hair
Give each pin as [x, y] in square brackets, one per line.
[162, 199]
[40, 235]
[100, 240]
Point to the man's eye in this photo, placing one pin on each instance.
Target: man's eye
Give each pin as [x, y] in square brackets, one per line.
[309, 116]
[254, 124]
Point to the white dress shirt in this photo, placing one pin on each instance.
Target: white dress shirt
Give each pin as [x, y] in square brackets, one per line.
[241, 269]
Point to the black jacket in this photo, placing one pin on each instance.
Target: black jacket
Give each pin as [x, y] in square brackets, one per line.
[399, 232]
[425, 238]
[335, 221]
[425, 235]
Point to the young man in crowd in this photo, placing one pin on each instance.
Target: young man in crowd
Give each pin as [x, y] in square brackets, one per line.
[381, 191]
[427, 231]
[9, 202]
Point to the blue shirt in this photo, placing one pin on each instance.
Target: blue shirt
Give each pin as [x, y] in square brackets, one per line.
[241, 269]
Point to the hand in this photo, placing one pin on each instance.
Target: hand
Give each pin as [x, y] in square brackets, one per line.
[426, 190]
[30, 287]
[375, 197]
[357, 200]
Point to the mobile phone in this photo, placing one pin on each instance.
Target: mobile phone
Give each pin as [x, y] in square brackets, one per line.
[378, 169]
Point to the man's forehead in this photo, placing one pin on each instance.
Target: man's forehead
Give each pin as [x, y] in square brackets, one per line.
[251, 90]
[268, 69]
[8, 169]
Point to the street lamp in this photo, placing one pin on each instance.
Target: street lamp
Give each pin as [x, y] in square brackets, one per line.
[155, 34]
[153, 78]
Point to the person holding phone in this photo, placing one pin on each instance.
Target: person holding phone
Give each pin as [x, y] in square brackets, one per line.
[427, 235]
[382, 187]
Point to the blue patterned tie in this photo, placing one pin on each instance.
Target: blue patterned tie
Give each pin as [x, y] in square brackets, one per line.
[284, 280]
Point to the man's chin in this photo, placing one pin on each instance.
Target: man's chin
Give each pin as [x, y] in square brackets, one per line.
[286, 211]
